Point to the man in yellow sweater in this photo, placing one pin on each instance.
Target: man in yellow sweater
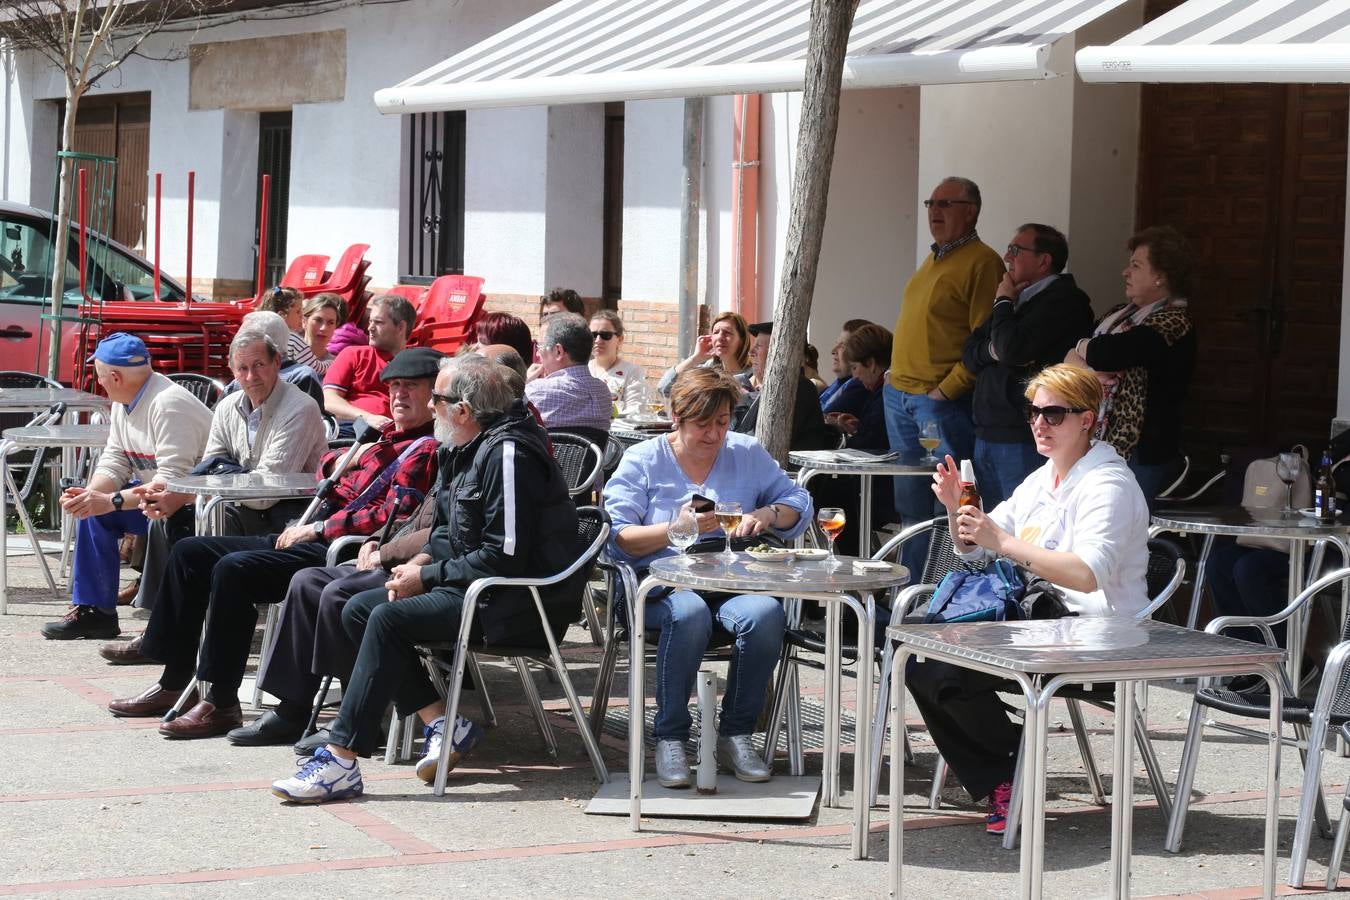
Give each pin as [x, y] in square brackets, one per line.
[951, 293]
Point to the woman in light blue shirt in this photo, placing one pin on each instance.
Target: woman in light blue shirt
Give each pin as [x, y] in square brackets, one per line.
[653, 484]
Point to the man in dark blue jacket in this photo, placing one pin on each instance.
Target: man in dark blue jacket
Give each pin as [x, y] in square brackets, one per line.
[502, 510]
[1039, 314]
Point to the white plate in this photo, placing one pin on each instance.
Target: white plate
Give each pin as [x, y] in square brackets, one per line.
[773, 556]
[1311, 512]
[810, 554]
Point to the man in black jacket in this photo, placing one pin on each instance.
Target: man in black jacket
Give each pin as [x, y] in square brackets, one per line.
[1038, 316]
[502, 509]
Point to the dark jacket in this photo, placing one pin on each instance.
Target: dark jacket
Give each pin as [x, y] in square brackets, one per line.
[503, 510]
[1027, 337]
[411, 535]
[808, 422]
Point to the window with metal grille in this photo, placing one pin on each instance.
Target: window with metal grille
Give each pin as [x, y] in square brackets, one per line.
[433, 240]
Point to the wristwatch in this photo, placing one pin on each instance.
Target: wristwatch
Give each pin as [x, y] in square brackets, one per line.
[117, 500]
[318, 529]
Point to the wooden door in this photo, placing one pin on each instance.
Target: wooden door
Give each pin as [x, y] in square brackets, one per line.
[118, 126]
[1254, 175]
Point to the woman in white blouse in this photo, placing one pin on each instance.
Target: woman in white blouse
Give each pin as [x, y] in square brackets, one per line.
[626, 380]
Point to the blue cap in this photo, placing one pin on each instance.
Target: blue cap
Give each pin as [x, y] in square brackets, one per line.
[121, 349]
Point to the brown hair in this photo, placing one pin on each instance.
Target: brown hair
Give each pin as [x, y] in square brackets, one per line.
[280, 299]
[1169, 253]
[742, 330]
[700, 393]
[870, 342]
[1078, 387]
[326, 300]
[610, 316]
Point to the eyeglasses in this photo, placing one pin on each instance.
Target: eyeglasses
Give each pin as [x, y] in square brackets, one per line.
[1014, 250]
[444, 398]
[945, 204]
[603, 335]
[1053, 415]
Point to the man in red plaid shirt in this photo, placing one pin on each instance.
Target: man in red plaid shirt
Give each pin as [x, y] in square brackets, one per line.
[219, 579]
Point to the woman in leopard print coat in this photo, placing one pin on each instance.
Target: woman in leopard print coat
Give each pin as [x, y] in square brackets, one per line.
[1143, 351]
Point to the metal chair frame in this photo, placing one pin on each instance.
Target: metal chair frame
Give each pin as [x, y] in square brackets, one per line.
[581, 463]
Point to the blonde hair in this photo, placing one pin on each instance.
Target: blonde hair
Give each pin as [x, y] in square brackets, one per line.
[1076, 386]
[325, 300]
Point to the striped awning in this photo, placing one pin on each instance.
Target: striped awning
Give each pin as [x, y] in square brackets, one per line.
[1231, 41]
[586, 51]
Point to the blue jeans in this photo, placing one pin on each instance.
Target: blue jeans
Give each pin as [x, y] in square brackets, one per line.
[686, 623]
[93, 575]
[905, 415]
[1154, 478]
[1248, 581]
[1001, 467]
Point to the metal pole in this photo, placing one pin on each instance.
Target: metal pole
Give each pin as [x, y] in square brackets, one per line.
[690, 201]
[192, 188]
[159, 192]
[262, 232]
[84, 250]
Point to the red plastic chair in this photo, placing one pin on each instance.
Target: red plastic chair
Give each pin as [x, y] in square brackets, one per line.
[306, 271]
[347, 273]
[452, 299]
[413, 293]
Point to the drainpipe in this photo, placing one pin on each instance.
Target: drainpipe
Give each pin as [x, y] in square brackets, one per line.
[745, 206]
[690, 199]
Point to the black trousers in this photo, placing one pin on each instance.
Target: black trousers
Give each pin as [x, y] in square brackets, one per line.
[217, 581]
[311, 641]
[968, 722]
[387, 668]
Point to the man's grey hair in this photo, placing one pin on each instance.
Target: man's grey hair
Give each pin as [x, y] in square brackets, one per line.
[573, 334]
[482, 384]
[971, 189]
[399, 309]
[270, 324]
[250, 336]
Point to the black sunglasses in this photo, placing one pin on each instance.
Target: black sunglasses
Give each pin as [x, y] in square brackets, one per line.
[603, 335]
[1053, 415]
[444, 398]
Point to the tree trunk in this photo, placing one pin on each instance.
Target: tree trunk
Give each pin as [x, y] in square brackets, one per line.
[65, 173]
[831, 21]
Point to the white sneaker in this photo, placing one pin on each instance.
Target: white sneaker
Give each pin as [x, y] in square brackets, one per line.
[322, 778]
[467, 736]
[672, 766]
[738, 754]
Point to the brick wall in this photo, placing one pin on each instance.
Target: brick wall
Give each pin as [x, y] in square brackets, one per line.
[651, 335]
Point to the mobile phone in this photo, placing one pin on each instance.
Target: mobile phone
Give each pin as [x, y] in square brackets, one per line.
[68, 483]
[702, 504]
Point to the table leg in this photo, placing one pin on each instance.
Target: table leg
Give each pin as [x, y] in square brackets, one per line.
[27, 523]
[1033, 744]
[1298, 623]
[830, 728]
[1122, 791]
[862, 730]
[1198, 585]
[68, 466]
[865, 516]
[896, 822]
[637, 660]
[5, 448]
[1269, 857]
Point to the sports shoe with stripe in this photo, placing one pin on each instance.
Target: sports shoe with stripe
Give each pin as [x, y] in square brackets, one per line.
[322, 778]
[997, 819]
[466, 737]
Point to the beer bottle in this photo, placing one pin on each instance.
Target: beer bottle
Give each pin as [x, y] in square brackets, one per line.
[970, 495]
[1324, 498]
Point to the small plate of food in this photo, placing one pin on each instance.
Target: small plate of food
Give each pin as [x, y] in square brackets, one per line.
[809, 554]
[765, 553]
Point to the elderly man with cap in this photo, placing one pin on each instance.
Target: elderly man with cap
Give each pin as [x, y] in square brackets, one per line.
[158, 431]
[217, 580]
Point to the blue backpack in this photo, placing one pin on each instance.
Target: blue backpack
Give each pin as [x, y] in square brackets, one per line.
[992, 594]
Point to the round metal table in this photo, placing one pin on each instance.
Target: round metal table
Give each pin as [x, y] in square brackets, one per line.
[39, 398]
[220, 489]
[799, 580]
[70, 439]
[853, 462]
[1238, 521]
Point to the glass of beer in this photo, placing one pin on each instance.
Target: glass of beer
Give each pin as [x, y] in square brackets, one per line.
[831, 521]
[929, 439]
[728, 514]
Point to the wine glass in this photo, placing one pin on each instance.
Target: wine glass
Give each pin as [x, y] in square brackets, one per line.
[831, 521]
[1289, 467]
[682, 533]
[728, 514]
[929, 439]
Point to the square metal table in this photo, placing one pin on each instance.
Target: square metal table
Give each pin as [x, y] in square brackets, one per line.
[799, 580]
[1045, 655]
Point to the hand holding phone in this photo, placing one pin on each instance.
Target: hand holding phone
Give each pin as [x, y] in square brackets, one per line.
[701, 504]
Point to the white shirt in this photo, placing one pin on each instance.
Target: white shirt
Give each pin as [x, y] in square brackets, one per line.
[625, 381]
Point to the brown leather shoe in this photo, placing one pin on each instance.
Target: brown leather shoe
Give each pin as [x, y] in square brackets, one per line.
[202, 721]
[124, 653]
[153, 701]
[128, 593]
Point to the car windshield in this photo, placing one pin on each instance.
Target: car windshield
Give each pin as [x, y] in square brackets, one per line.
[25, 258]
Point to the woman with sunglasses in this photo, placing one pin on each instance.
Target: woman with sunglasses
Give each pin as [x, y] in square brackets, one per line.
[1081, 523]
[626, 380]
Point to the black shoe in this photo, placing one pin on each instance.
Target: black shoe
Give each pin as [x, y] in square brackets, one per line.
[266, 730]
[307, 746]
[83, 622]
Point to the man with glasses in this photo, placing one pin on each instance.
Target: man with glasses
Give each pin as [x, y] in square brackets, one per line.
[566, 394]
[946, 298]
[1039, 314]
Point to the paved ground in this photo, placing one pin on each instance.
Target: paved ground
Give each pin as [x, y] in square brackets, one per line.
[95, 806]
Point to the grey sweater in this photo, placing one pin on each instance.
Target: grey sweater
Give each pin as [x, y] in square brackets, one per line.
[290, 437]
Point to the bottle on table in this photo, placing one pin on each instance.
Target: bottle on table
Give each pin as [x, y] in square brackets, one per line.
[1324, 492]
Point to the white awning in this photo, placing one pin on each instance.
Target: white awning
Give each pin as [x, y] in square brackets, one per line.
[587, 51]
[1231, 41]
